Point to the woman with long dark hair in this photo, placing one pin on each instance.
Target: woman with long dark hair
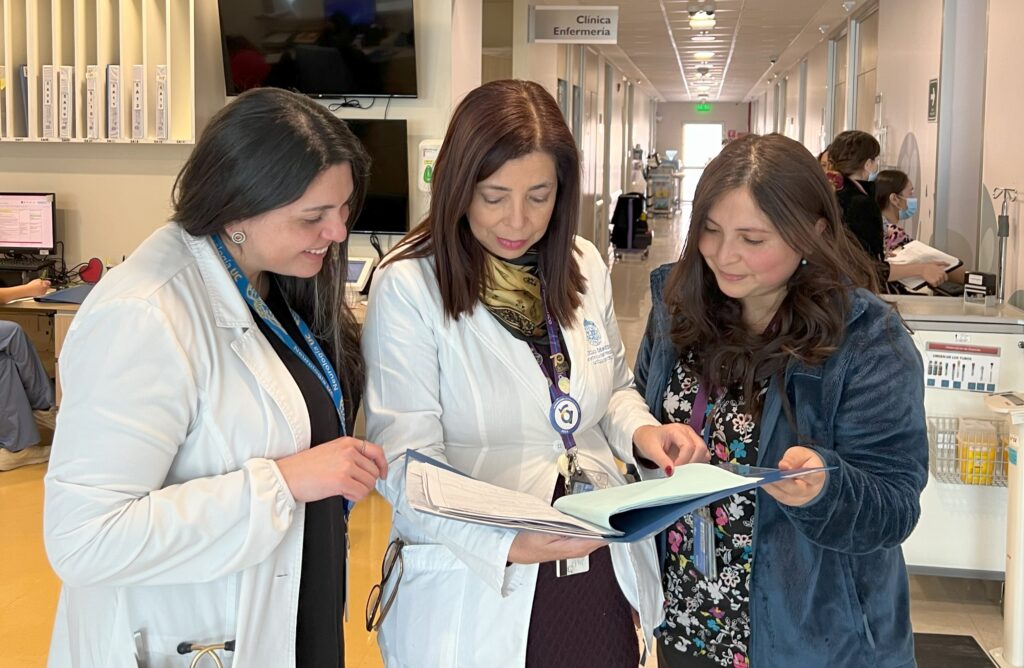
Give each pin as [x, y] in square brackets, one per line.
[488, 317]
[767, 339]
[185, 504]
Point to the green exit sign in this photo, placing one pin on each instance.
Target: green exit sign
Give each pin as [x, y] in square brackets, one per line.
[703, 107]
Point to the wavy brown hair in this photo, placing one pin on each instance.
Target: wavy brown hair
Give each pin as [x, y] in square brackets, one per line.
[788, 185]
[259, 153]
[495, 123]
[851, 149]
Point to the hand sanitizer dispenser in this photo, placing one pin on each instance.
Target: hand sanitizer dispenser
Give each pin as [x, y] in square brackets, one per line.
[429, 149]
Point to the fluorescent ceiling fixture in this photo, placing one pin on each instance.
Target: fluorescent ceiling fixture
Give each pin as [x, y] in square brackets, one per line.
[702, 20]
[703, 55]
[704, 37]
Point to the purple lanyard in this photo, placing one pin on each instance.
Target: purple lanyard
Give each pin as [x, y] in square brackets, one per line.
[565, 411]
[699, 410]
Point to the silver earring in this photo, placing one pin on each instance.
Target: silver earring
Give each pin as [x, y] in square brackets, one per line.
[238, 237]
[802, 262]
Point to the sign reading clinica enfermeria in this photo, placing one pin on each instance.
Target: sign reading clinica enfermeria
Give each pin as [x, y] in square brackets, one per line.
[574, 24]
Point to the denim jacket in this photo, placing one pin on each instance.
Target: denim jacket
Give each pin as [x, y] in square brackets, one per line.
[829, 584]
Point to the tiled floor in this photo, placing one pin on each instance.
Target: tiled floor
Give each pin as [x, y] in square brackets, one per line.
[28, 589]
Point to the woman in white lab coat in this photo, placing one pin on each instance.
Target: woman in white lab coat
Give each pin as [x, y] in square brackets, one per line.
[185, 506]
[466, 323]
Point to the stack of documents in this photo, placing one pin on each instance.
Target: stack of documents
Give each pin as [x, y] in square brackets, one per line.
[916, 252]
[619, 514]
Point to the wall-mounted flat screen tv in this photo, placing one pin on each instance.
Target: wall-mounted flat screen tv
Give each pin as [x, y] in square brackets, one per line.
[386, 208]
[322, 48]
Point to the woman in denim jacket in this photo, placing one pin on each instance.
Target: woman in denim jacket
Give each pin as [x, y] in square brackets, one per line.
[766, 338]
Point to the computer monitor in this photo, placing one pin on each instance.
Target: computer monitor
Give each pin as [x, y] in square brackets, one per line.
[359, 271]
[28, 223]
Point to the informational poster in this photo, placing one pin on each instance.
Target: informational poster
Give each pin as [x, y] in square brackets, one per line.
[955, 366]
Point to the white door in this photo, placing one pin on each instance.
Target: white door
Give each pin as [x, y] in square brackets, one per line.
[701, 143]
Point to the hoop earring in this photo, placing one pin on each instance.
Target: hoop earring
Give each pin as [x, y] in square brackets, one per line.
[238, 237]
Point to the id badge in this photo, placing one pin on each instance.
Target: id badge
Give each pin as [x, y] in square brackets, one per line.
[704, 543]
[583, 481]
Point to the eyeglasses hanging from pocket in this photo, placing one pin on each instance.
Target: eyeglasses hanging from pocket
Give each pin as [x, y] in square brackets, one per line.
[382, 595]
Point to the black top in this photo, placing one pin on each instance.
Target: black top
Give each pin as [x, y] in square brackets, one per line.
[862, 216]
[601, 631]
[319, 640]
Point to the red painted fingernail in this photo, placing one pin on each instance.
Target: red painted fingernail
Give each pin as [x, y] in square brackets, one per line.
[668, 470]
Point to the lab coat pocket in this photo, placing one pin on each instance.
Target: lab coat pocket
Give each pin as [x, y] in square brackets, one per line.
[422, 626]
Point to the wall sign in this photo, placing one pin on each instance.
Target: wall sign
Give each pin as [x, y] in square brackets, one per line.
[569, 24]
[961, 367]
[933, 100]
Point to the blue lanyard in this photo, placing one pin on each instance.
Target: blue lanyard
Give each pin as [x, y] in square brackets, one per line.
[565, 415]
[325, 373]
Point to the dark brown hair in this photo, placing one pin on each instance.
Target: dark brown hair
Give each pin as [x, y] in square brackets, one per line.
[851, 149]
[788, 185]
[259, 153]
[889, 182]
[495, 123]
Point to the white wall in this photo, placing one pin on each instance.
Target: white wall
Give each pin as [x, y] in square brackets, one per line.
[909, 48]
[1003, 166]
[672, 115]
[111, 197]
[814, 108]
[534, 62]
[867, 73]
[642, 131]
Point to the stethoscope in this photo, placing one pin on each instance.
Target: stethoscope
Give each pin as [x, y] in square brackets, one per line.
[206, 650]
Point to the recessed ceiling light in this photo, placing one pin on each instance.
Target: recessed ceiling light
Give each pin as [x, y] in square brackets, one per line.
[702, 20]
[704, 37]
[703, 55]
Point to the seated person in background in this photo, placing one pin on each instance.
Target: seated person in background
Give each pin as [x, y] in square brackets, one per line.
[24, 386]
[34, 288]
[894, 194]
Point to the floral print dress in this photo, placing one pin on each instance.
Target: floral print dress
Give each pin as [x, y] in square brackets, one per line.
[707, 622]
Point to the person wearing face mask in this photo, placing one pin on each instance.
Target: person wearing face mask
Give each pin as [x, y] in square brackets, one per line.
[767, 338]
[854, 155]
[894, 194]
[483, 320]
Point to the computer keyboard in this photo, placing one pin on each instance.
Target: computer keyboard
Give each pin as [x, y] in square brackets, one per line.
[24, 263]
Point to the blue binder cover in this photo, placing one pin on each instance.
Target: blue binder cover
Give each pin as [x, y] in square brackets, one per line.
[75, 295]
[658, 514]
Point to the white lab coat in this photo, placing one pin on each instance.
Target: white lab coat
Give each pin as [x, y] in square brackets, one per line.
[467, 392]
[166, 516]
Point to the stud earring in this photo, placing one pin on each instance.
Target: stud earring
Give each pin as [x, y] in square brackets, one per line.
[238, 237]
[803, 262]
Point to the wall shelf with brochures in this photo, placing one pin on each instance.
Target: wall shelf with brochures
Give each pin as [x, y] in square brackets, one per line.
[97, 71]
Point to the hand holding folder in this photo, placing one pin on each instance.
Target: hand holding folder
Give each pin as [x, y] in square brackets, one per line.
[618, 514]
[916, 252]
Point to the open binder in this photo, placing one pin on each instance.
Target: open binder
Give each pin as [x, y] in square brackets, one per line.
[626, 513]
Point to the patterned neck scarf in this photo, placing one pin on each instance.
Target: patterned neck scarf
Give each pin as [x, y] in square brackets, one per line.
[511, 292]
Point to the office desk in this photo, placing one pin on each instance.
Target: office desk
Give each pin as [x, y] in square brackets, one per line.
[47, 326]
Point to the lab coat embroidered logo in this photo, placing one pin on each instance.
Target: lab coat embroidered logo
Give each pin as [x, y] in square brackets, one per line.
[598, 352]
